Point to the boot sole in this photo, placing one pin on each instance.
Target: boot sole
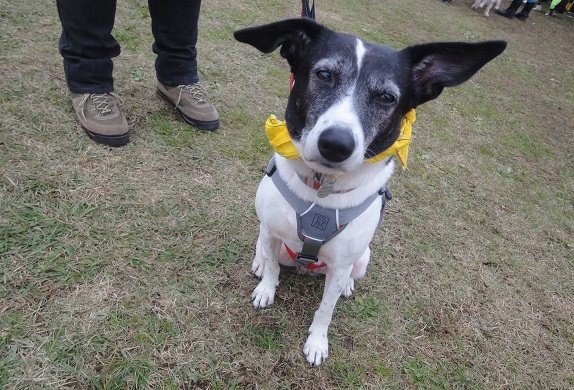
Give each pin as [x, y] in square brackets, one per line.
[202, 125]
[108, 140]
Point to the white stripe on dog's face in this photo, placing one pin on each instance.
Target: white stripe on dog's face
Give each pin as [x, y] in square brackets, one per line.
[341, 115]
[360, 53]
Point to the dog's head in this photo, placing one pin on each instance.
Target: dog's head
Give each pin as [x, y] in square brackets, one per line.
[350, 96]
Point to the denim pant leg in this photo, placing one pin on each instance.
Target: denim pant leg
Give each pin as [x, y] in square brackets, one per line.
[174, 27]
[87, 44]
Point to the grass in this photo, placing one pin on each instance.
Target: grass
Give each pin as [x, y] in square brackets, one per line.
[129, 267]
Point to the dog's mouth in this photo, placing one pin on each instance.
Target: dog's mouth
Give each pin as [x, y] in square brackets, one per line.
[320, 165]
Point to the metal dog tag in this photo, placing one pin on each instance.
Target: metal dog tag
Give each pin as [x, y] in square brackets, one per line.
[327, 188]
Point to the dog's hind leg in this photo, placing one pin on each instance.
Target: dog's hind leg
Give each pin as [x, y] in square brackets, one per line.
[266, 263]
[316, 347]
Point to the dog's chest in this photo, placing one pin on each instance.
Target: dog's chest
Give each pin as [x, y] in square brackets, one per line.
[279, 217]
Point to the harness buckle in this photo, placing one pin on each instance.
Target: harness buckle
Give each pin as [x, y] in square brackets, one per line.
[305, 261]
[387, 193]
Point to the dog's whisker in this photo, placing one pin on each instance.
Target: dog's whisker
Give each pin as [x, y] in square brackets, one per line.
[369, 153]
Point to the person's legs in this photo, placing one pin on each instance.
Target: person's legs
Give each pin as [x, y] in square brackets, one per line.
[87, 46]
[523, 15]
[174, 26]
[511, 10]
[553, 5]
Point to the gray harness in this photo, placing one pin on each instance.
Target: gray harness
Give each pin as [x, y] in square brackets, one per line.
[317, 225]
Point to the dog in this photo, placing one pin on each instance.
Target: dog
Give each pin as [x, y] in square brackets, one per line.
[347, 106]
[488, 3]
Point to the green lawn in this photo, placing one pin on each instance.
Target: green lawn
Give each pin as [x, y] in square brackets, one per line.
[130, 267]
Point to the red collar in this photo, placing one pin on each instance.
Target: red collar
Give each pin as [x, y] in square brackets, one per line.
[323, 183]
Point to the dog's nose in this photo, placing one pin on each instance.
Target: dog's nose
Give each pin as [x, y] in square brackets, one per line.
[336, 144]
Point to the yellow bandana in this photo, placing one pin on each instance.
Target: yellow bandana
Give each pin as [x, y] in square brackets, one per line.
[279, 138]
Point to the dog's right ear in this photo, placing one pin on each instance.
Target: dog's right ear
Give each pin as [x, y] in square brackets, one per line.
[293, 35]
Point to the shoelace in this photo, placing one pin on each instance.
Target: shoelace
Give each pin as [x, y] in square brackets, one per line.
[101, 102]
[194, 90]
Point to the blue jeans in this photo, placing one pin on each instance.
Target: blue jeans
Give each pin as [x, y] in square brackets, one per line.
[88, 46]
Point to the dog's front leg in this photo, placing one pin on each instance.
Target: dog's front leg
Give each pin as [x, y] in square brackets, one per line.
[316, 348]
[268, 249]
[258, 264]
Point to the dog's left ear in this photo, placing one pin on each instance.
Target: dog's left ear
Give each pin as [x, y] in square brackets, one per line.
[446, 64]
[293, 35]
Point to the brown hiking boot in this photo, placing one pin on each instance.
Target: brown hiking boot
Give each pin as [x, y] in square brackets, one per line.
[191, 103]
[100, 116]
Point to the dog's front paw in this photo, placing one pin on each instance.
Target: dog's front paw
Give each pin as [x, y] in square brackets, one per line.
[349, 288]
[263, 295]
[316, 348]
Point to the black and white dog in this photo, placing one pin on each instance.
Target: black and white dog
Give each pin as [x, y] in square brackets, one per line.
[346, 106]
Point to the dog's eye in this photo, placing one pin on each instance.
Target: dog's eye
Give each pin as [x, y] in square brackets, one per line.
[386, 98]
[324, 75]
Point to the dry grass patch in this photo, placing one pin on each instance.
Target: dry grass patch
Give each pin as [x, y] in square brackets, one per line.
[129, 267]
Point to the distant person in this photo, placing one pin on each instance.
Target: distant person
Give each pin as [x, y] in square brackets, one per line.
[87, 46]
[510, 12]
[557, 6]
